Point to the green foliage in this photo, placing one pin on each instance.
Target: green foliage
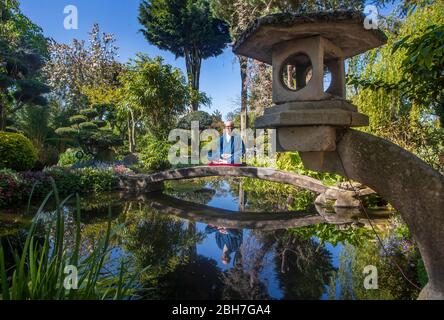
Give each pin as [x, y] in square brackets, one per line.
[373, 201]
[398, 85]
[17, 152]
[18, 29]
[332, 234]
[67, 180]
[423, 65]
[82, 180]
[38, 271]
[100, 123]
[204, 118]
[88, 126]
[97, 180]
[291, 161]
[90, 133]
[89, 113]
[97, 141]
[160, 241]
[399, 249]
[18, 186]
[153, 93]
[71, 157]
[77, 119]
[187, 28]
[422, 276]
[68, 131]
[153, 154]
[33, 121]
[268, 196]
[392, 285]
[183, 26]
[22, 51]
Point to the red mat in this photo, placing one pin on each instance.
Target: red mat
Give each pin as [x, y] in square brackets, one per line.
[211, 164]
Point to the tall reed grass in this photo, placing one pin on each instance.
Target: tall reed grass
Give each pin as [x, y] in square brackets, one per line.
[38, 269]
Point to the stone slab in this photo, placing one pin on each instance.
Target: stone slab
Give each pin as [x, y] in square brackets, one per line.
[312, 105]
[331, 117]
[306, 139]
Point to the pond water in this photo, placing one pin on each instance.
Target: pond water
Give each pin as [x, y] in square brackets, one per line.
[240, 238]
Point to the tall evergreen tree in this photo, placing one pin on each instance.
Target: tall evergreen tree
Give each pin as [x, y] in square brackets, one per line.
[188, 29]
[22, 53]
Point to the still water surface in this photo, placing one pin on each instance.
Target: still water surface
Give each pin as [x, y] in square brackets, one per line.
[219, 238]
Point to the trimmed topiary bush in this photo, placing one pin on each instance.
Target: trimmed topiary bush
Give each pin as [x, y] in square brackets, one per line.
[88, 126]
[16, 152]
[89, 113]
[78, 119]
[66, 131]
[99, 123]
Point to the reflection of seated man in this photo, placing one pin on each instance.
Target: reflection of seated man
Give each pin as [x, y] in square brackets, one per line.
[228, 240]
[231, 148]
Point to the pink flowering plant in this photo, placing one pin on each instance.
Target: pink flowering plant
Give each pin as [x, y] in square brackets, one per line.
[121, 169]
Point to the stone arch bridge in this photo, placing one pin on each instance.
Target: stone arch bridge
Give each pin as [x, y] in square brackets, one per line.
[154, 182]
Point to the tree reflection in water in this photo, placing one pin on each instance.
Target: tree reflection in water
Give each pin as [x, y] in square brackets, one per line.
[186, 259]
[199, 278]
[304, 265]
[243, 281]
[159, 242]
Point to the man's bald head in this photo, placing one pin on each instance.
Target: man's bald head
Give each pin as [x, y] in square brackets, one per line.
[229, 124]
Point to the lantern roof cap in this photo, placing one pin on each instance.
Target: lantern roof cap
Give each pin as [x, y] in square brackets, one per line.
[343, 28]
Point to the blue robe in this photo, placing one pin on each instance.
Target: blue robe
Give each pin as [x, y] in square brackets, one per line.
[232, 239]
[235, 147]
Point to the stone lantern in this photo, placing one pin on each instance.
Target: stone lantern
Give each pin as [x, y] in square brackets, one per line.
[318, 121]
[301, 48]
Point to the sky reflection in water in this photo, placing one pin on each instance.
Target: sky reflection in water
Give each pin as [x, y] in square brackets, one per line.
[197, 260]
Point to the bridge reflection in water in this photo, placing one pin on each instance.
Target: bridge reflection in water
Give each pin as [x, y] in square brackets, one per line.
[203, 239]
[256, 220]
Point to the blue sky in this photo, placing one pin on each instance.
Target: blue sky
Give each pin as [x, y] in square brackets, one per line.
[220, 76]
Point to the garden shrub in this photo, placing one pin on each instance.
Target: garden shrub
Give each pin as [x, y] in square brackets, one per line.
[70, 157]
[97, 180]
[291, 161]
[121, 169]
[82, 180]
[17, 152]
[48, 156]
[16, 187]
[11, 188]
[67, 180]
[153, 155]
[37, 180]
